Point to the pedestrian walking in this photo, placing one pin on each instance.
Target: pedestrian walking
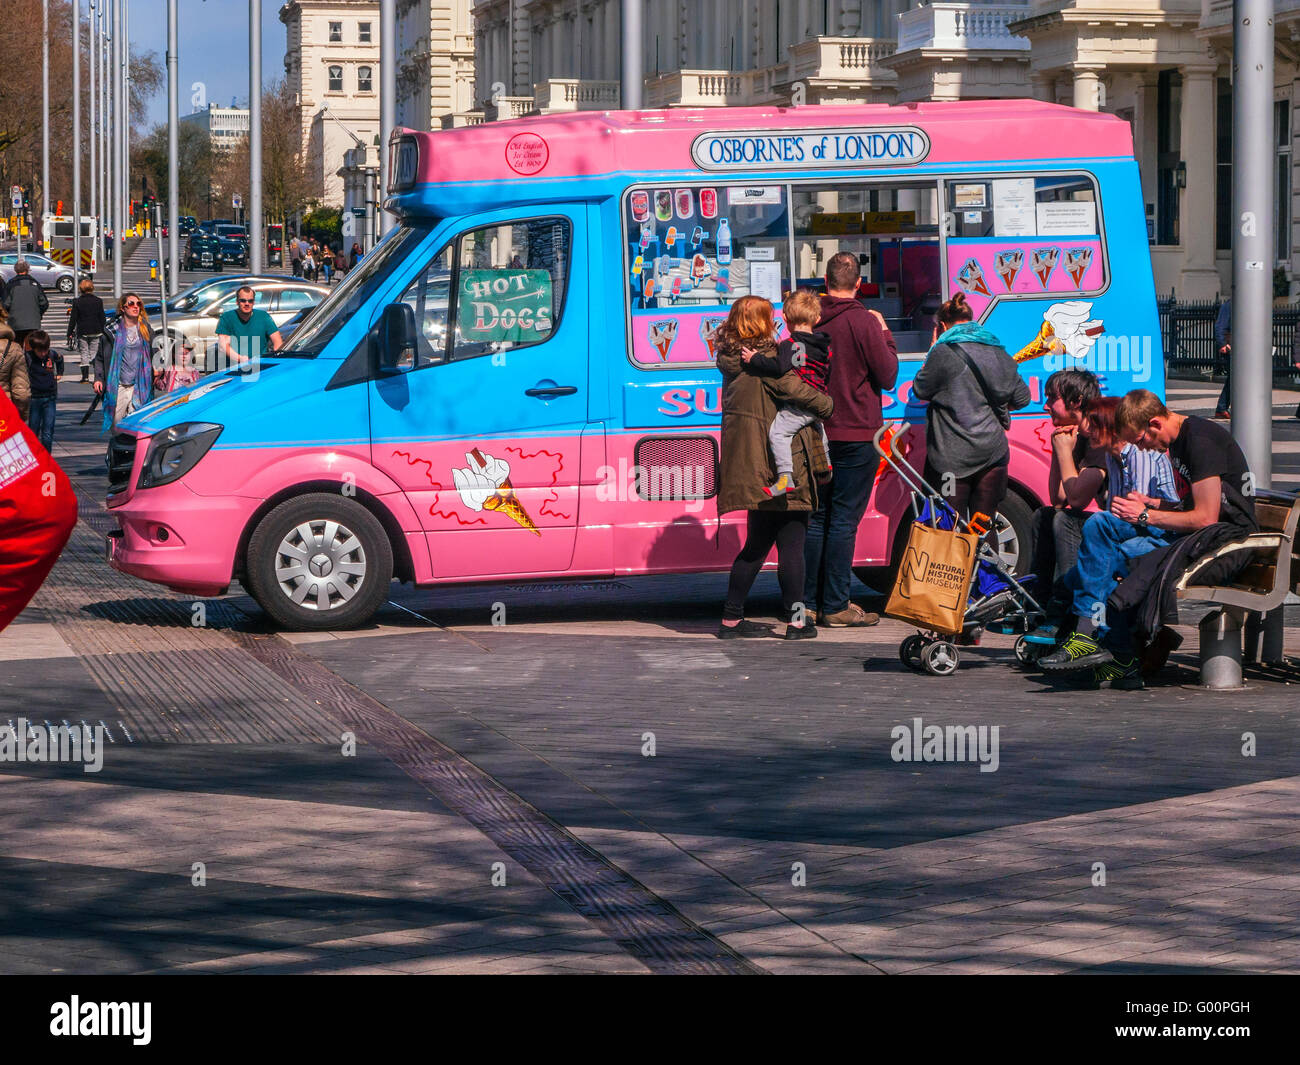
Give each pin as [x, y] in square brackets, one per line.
[1223, 345]
[14, 381]
[86, 326]
[327, 264]
[25, 301]
[253, 330]
[309, 265]
[44, 372]
[124, 365]
[356, 255]
[181, 372]
[971, 385]
[866, 364]
[295, 256]
[340, 262]
[749, 406]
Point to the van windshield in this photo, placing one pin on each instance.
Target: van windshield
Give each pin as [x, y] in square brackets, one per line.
[370, 274]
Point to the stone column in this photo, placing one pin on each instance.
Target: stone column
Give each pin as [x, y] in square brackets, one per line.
[1145, 134]
[1087, 87]
[1199, 278]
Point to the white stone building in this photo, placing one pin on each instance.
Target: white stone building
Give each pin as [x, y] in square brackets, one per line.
[227, 126]
[435, 71]
[1162, 64]
[332, 64]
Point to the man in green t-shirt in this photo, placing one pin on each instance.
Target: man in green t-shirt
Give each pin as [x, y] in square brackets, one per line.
[249, 329]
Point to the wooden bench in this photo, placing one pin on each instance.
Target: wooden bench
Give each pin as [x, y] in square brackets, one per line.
[1255, 596]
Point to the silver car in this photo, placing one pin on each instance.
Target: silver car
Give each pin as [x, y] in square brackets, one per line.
[45, 272]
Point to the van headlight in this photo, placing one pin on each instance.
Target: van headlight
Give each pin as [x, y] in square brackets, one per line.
[175, 451]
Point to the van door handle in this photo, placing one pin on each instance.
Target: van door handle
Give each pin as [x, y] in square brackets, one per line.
[549, 391]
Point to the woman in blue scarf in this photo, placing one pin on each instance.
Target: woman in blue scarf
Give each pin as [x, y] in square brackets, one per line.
[972, 385]
[127, 380]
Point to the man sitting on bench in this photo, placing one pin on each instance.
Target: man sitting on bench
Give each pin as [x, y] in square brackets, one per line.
[1213, 484]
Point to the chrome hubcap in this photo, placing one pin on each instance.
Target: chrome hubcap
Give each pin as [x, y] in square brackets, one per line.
[320, 565]
[1008, 543]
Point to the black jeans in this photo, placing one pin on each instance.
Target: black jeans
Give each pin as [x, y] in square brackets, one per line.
[784, 529]
[1056, 537]
[833, 527]
[981, 492]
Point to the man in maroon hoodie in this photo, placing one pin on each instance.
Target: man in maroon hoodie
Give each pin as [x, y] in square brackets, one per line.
[865, 360]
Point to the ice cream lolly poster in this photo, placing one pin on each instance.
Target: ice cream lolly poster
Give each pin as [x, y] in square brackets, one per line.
[673, 335]
[986, 269]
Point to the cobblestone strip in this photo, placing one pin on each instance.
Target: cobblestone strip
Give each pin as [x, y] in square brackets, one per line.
[645, 925]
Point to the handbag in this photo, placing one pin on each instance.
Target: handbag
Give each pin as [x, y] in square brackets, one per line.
[999, 409]
[933, 583]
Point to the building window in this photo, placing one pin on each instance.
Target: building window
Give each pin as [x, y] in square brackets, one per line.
[1223, 166]
[1282, 180]
[363, 79]
[336, 33]
[336, 79]
[363, 32]
[1169, 102]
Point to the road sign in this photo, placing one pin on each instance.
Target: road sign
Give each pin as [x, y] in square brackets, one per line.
[237, 202]
[153, 264]
[16, 197]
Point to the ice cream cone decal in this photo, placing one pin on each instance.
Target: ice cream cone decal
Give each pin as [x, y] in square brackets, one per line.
[709, 327]
[484, 484]
[1039, 346]
[1077, 261]
[1044, 262]
[1008, 265]
[970, 279]
[662, 334]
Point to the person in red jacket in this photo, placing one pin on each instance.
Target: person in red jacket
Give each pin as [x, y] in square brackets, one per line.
[38, 509]
[866, 364]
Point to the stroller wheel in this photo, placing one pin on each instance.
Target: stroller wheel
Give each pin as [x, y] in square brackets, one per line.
[909, 651]
[940, 658]
[1028, 652]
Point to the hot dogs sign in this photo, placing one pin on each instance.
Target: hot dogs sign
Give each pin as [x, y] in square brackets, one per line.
[505, 305]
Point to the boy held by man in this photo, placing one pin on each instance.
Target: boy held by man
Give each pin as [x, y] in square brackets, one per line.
[808, 353]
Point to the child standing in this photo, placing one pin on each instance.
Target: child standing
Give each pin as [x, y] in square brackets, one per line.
[808, 353]
[45, 370]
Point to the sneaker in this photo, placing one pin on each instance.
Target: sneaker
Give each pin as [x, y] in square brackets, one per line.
[1048, 633]
[1078, 652]
[1222, 415]
[1121, 674]
[806, 631]
[746, 630]
[852, 616]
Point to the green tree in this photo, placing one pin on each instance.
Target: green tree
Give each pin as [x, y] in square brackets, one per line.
[195, 161]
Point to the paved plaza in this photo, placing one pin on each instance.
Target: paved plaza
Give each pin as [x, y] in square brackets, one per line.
[599, 785]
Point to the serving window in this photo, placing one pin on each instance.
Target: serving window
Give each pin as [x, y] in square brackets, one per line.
[693, 251]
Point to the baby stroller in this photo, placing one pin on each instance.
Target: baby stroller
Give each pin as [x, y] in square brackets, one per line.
[998, 601]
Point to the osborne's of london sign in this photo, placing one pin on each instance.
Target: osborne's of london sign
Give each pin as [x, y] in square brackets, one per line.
[792, 149]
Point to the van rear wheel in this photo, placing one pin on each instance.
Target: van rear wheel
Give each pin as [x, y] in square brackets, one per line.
[319, 561]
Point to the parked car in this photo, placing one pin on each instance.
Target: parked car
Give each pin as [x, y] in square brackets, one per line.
[45, 272]
[186, 224]
[204, 252]
[234, 244]
[197, 295]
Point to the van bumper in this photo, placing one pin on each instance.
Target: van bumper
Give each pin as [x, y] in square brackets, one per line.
[170, 535]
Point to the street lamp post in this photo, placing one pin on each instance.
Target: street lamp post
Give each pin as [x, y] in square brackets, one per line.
[633, 80]
[387, 96]
[173, 154]
[90, 140]
[116, 206]
[45, 124]
[256, 238]
[76, 139]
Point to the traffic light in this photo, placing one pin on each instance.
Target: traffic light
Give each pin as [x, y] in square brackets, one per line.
[27, 198]
[58, 209]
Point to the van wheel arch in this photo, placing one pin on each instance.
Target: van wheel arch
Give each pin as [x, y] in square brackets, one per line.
[403, 567]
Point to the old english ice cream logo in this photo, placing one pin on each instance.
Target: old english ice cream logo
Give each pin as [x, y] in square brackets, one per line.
[661, 336]
[527, 153]
[1008, 264]
[16, 458]
[709, 326]
[970, 279]
[1068, 329]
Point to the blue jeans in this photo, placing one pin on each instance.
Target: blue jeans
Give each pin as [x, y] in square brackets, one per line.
[1108, 545]
[833, 527]
[41, 419]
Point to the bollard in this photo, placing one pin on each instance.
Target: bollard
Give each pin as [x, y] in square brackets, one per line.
[1221, 650]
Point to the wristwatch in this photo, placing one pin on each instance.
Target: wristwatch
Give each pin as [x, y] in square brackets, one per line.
[1143, 518]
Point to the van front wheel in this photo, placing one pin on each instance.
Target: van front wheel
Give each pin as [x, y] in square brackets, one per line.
[319, 561]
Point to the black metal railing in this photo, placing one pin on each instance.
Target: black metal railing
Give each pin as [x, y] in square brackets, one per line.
[1187, 330]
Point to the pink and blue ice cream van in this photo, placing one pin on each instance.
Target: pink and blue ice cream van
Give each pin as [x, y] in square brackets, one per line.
[519, 380]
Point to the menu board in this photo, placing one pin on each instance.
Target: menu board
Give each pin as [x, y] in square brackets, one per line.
[1013, 208]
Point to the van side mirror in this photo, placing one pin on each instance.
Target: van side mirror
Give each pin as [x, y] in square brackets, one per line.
[397, 338]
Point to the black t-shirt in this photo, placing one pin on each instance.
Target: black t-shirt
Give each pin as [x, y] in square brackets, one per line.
[1203, 449]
